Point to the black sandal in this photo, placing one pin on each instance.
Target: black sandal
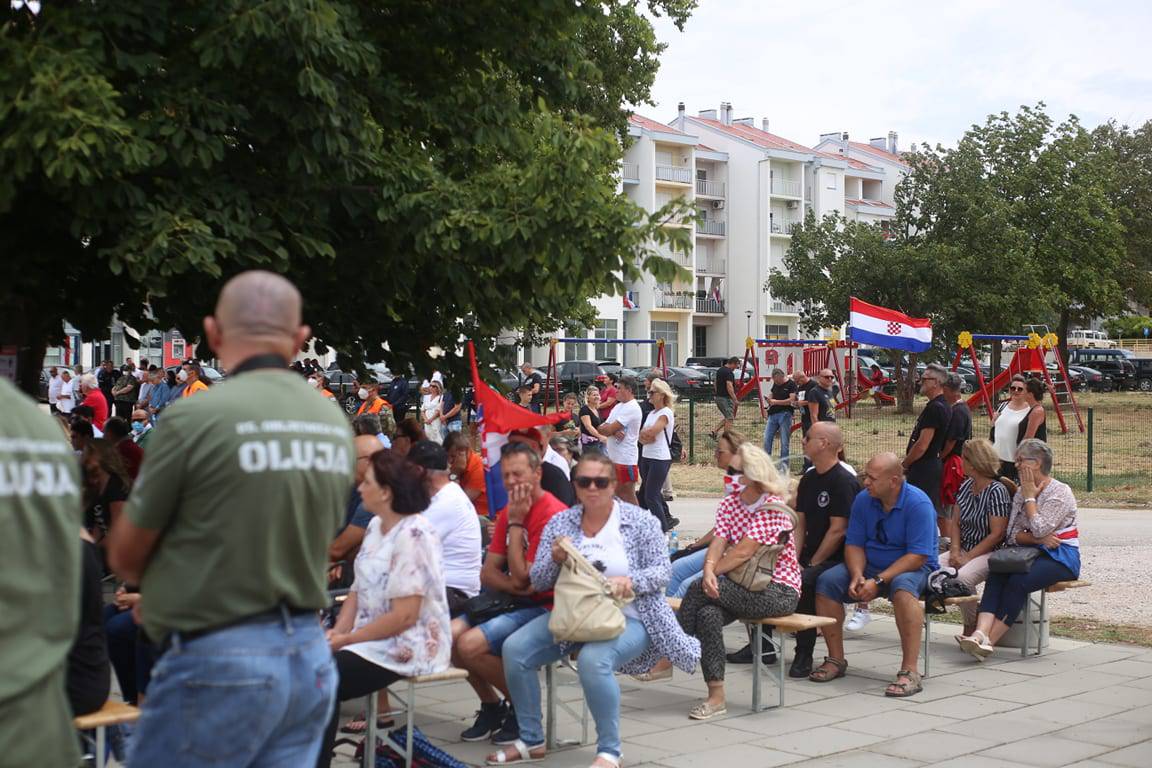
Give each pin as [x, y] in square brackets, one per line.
[358, 725]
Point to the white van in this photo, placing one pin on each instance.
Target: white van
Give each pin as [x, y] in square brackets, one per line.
[1081, 339]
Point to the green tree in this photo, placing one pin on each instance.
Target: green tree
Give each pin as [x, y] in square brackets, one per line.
[421, 169]
[1127, 327]
[1129, 151]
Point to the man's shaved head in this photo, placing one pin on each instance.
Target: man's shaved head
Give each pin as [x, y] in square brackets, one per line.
[830, 431]
[257, 313]
[886, 463]
[259, 304]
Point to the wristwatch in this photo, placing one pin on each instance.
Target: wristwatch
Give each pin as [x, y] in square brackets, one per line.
[879, 580]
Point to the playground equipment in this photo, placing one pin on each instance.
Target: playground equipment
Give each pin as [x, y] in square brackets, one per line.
[1033, 357]
[552, 386]
[807, 355]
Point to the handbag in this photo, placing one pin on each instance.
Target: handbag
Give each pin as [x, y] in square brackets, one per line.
[1013, 559]
[755, 574]
[489, 605]
[584, 609]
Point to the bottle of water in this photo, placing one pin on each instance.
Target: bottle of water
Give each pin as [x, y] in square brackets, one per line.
[673, 543]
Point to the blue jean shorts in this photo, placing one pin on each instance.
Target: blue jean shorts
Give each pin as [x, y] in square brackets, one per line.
[833, 583]
[499, 629]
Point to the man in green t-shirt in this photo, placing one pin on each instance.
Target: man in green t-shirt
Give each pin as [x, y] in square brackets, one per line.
[227, 534]
[40, 515]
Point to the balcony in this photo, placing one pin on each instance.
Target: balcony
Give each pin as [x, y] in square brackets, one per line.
[785, 188]
[630, 172]
[785, 308]
[709, 188]
[666, 298]
[711, 227]
[782, 227]
[674, 174]
[683, 259]
[712, 267]
[710, 307]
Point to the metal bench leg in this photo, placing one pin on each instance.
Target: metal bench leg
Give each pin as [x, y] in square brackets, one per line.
[1027, 626]
[1040, 623]
[550, 706]
[368, 760]
[778, 644]
[757, 664]
[411, 724]
[927, 640]
[101, 747]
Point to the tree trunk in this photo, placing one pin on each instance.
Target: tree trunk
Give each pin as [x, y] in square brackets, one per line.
[905, 381]
[1062, 334]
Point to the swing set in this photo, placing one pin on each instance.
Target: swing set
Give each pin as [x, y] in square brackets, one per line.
[552, 387]
[807, 355]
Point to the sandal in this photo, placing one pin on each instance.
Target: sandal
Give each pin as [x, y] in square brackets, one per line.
[518, 751]
[610, 759]
[899, 690]
[977, 644]
[358, 725]
[824, 675]
[706, 711]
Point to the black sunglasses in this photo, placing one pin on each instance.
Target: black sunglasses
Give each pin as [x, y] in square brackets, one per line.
[586, 482]
[1015, 389]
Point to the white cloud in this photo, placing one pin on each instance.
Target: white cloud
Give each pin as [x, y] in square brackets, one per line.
[925, 69]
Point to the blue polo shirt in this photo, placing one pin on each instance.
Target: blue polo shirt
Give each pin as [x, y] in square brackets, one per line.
[909, 529]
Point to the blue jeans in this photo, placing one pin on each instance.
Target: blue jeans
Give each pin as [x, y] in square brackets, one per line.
[685, 572]
[782, 423]
[833, 583]
[1005, 593]
[254, 694]
[533, 646]
[454, 426]
[498, 629]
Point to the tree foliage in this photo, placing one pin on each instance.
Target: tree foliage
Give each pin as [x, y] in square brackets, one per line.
[1129, 150]
[421, 169]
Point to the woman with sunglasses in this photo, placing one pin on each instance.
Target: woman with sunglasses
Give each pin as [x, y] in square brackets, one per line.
[627, 545]
[1044, 515]
[743, 525]
[1013, 422]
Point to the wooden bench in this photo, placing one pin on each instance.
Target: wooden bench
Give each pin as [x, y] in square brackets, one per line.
[1059, 586]
[112, 713]
[948, 601]
[408, 708]
[793, 622]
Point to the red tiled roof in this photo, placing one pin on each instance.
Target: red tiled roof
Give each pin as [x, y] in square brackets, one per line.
[878, 152]
[873, 203]
[651, 125]
[852, 162]
[755, 136]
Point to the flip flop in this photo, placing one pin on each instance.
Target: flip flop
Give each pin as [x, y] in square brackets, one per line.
[359, 725]
[522, 750]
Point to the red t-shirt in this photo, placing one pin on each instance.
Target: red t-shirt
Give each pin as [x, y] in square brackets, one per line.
[608, 393]
[538, 517]
[95, 400]
[473, 478]
[132, 455]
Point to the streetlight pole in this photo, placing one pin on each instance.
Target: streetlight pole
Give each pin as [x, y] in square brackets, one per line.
[748, 315]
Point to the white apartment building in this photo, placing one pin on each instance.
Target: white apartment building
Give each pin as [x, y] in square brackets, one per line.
[751, 188]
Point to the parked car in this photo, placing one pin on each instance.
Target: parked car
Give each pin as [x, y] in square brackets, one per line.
[687, 382]
[711, 363]
[1111, 362]
[575, 376]
[1143, 367]
[614, 368]
[43, 388]
[1091, 380]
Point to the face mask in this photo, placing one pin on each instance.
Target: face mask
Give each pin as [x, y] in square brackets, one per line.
[182, 376]
[137, 427]
[362, 394]
[734, 482]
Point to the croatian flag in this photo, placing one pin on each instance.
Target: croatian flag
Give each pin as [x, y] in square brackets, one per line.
[886, 328]
[629, 302]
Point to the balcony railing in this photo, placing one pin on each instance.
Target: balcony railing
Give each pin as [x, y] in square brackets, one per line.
[781, 306]
[710, 306]
[630, 171]
[666, 298]
[712, 266]
[711, 227]
[785, 187]
[783, 227]
[710, 188]
[674, 173]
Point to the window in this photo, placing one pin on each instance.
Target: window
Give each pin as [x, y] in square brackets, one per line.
[699, 341]
[776, 331]
[605, 329]
[575, 351]
[178, 349]
[830, 179]
[670, 332]
[701, 174]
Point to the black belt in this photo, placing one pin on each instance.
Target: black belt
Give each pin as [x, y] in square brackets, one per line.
[283, 612]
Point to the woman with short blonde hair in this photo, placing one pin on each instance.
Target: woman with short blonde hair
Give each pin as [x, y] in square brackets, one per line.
[656, 450]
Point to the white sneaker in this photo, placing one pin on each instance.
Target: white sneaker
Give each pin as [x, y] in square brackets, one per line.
[859, 619]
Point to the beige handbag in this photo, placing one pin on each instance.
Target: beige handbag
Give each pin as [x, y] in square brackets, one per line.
[755, 574]
[584, 610]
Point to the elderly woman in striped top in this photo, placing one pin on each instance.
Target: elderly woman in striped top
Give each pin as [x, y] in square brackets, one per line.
[1044, 515]
[984, 500]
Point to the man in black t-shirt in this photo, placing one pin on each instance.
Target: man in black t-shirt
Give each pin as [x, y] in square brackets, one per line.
[923, 465]
[532, 379]
[959, 432]
[781, 401]
[726, 394]
[823, 502]
[813, 395]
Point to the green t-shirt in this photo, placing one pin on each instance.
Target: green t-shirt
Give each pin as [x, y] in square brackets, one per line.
[40, 515]
[248, 482]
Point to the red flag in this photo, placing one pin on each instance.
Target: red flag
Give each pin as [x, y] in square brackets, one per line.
[500, 415]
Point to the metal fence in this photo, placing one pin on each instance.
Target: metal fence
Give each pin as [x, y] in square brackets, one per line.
[1113, 452]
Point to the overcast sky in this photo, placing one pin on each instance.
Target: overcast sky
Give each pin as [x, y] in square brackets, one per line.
[927, 70]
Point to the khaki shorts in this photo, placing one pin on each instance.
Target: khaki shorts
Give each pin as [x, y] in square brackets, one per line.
[726, 406]
[36, 726]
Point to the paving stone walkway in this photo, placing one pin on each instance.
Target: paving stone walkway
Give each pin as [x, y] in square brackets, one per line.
[1078, 705]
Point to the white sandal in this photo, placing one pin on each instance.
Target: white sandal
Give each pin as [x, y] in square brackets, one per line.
[977, 644]
[615, 761]
[523, 750]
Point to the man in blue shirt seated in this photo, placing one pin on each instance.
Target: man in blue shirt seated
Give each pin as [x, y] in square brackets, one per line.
[890, 548]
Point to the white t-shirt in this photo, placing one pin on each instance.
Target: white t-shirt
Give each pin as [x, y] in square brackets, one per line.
[1007, 429]
[68, 402]
[606, 551]
[454, 519]
[622, 445]
[54, 388]
[659, 448]
[557, 460]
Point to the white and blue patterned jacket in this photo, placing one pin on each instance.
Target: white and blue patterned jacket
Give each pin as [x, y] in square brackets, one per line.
[650, 571]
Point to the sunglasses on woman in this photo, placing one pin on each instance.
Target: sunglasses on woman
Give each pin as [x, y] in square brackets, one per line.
[586, 482]
[1015, 389]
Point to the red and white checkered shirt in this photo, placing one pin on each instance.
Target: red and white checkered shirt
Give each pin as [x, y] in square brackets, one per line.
[735, 520]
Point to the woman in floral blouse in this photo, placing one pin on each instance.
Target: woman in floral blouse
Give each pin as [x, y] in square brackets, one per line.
[395, 622]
